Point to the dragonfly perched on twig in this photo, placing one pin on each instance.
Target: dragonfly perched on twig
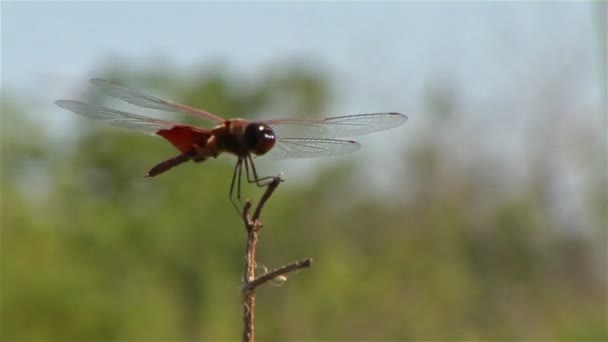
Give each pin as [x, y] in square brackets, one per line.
[278, 138]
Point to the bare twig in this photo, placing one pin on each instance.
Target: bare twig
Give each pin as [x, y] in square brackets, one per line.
[269, 190]
[250, 282]
[283, 270]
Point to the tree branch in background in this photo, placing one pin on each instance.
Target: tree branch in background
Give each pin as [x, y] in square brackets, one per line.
[250, 282]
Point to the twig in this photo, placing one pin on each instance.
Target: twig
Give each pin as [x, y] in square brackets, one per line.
[266, 277]
[269, 190]
[250, 282]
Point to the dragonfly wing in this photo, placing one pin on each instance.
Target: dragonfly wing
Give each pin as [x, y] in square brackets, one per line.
[116, 117]
[336, 127]
[141, 99]
[310, 148]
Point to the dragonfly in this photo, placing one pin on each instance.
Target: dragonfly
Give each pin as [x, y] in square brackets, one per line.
[276, 138]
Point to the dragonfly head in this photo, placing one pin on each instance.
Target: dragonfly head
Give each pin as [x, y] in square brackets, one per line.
[259, 138]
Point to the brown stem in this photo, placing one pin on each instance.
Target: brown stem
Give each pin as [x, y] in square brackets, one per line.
[250, 282]
[249, 293]
[272, 186]
[283, 270]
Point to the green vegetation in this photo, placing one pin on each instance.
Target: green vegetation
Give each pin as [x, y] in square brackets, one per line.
[93, 251]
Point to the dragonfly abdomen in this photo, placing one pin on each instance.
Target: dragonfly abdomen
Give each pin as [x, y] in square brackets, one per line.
[169, 164]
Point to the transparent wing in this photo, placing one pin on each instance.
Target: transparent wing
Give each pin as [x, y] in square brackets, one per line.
[335, 127]
[116, 117]
[310, 148]
[141, 99]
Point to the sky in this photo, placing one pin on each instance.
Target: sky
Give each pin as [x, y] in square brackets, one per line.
[401, 42]
[381, 56]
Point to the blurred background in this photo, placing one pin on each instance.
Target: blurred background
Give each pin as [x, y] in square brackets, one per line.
[482, 218]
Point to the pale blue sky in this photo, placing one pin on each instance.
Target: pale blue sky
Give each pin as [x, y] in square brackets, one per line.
[503, 58]
[399, 40]
[381, 55]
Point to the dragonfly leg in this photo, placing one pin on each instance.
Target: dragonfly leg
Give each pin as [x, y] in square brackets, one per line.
[236, 179]
[252, 176]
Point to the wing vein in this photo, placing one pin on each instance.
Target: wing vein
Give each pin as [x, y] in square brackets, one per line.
[140, 99]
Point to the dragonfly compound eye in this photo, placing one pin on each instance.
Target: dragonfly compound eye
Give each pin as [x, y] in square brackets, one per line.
[259, 138]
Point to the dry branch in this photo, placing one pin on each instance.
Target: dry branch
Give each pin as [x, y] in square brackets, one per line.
[250, 282]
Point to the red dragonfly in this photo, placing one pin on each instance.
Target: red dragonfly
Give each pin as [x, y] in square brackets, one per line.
[278, 138]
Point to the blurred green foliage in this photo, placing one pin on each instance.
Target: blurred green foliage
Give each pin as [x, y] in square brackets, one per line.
[93, 251]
